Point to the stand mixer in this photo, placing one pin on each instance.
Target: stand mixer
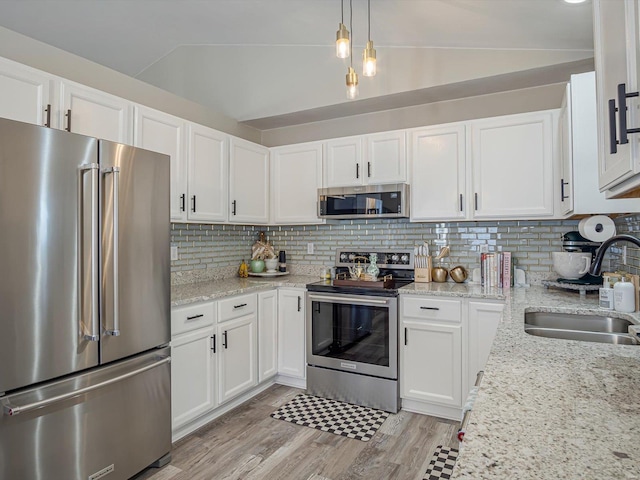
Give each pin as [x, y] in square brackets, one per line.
[574, 242]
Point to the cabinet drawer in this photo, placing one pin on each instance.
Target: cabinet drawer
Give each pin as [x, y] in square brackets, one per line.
[235, 307]
[436, 309]
[192, 317]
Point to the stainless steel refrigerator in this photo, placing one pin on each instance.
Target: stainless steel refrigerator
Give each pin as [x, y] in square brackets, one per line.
[84, 306]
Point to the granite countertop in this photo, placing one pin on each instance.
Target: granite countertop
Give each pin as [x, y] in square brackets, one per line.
[554, 409]
[213, 289]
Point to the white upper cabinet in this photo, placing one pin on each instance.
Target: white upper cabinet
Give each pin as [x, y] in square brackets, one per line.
[385, 158]
[438, 173]
[343, 159]
[161, 132]
[513, 161]
[578, 136]
[616, 52]
[366, 160]
[296, 175]
[25, 94]
[207, 165]
[94, 113]
[248, 182]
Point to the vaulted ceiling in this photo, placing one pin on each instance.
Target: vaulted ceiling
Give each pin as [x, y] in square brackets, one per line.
[256, 60]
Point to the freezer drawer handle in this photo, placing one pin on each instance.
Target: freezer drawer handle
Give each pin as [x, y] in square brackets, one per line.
[13, 411]
[115, 250]
[93, 168]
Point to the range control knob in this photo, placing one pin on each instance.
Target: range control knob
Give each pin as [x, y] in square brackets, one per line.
[405, 258]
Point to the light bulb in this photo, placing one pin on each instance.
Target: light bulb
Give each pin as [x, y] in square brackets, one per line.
[352, 84]
[369, 60]
[342, 42]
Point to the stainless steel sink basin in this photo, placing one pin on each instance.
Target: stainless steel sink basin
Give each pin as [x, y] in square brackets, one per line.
[588, 328]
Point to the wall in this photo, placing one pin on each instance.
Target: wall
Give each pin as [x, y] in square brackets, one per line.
[481, 106]
[28, 51]
[215, 251]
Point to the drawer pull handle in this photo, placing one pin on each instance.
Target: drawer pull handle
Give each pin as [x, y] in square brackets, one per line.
[195, 316]
[429, 308]
[240, 306]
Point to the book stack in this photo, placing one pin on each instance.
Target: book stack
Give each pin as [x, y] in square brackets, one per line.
[496, 269]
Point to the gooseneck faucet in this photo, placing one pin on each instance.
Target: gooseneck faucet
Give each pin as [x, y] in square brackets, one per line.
[596, 265]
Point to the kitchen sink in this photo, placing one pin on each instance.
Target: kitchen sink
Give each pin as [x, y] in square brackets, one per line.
[587, 328]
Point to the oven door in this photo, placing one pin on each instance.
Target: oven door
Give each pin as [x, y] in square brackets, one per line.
[353, 333]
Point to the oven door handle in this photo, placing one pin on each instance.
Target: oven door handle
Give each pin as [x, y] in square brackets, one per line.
[350, 299]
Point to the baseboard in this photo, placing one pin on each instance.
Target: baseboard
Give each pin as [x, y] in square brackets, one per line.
[201, 421]
[442, 411]
[291, 381]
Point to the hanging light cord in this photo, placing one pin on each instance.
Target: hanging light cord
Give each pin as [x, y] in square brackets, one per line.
[351, 30]
[369, 20]
[342, 11]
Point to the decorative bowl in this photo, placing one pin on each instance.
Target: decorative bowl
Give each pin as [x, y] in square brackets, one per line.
[272, 264]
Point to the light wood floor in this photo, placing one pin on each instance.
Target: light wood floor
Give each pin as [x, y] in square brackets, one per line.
[247, 443]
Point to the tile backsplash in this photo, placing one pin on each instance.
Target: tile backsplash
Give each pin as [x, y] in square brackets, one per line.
[215, 251]
[630, 225]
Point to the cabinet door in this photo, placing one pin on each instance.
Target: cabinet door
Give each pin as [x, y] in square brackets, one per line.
[25, 94]
[238, 364]
[484, 318]
[385, 158]
[431, 363]
[296, 176]
[94, 113]
[513, 166]
[565, 185]
[291, 340]
[267, 334]
[207, 162]
[160, 132]
[615, 45]
[343, 158]
[192, 376]
[437, 172]
[249, 182]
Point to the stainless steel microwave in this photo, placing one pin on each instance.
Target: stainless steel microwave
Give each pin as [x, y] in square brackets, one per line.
[366, 201]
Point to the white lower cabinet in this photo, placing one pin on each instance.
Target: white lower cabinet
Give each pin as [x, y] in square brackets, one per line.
[267, 334]
[238, 363]
[443, 344]
[484, 318]
[193, 363]
[431, 350]
[291, 339]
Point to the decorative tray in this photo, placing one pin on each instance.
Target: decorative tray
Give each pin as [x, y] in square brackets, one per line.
[268, 274]
[576, 287]
[386, 282]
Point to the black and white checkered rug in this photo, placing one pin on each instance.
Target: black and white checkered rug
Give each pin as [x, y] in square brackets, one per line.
[442, 463]
[344, 419]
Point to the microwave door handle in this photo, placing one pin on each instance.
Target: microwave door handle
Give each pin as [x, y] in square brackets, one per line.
[115, 250]
[94, 334]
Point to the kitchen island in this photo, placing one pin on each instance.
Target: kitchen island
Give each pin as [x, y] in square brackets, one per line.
[554, 409]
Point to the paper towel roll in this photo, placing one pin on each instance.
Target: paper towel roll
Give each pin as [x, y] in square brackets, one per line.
[597, 228]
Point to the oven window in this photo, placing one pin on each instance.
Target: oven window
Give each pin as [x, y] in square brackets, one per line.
[355, 333]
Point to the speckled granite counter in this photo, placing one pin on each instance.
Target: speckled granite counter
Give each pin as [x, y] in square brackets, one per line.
[554, 409]
[211, 290]
[450, 289]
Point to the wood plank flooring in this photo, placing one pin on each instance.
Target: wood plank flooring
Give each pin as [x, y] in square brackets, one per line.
[247, 443]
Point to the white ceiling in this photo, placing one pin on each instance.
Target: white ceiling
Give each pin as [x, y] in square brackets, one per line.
[253, 59]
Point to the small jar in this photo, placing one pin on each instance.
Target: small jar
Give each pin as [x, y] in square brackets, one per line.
[326, 273]
[624, 296]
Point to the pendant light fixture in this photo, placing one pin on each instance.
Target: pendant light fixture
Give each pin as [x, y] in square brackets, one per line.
[352, 76]
[342, 36]
[369, 54]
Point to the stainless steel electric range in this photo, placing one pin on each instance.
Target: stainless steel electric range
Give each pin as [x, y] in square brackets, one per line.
[352, 332]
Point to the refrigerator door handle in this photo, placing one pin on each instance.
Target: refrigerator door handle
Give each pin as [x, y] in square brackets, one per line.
[17, 409]
[93, 168]
[116, 213]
